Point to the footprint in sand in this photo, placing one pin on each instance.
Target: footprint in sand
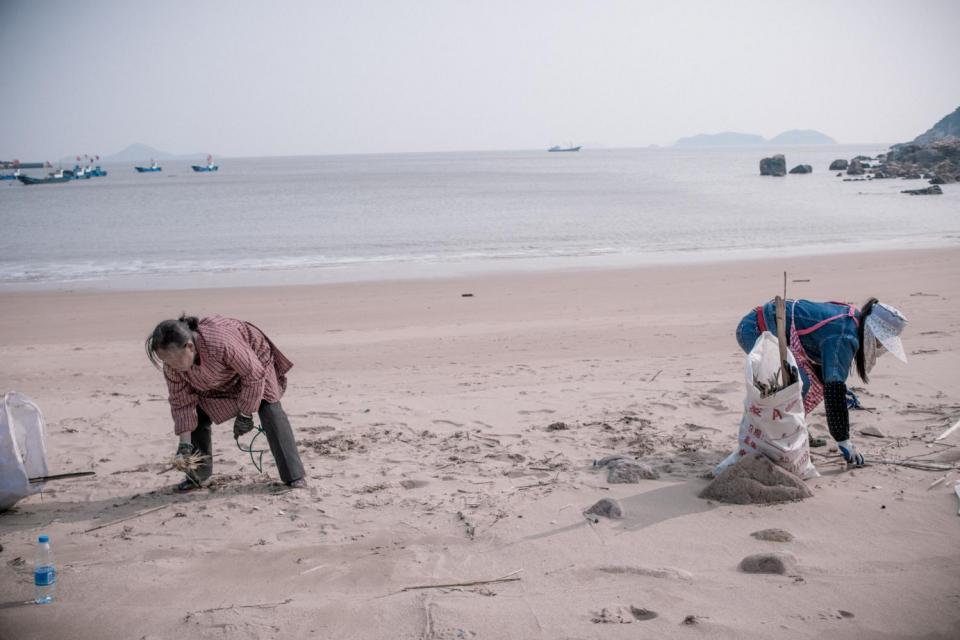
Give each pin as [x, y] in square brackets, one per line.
[710, 402]
[725, 388]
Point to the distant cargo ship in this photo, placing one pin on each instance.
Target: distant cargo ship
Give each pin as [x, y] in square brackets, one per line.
[559, 148]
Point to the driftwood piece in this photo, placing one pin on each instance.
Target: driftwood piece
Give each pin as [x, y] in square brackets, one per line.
[922, 465]
[61, 476]
[265, 605]
[948, 431]
[510, 577]
[136, 515]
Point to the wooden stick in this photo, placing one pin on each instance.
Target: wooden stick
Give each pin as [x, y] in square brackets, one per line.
[781, 311]
[510, 577]
[265, 605]
[136, 515]
[60, 476]
[930, 466]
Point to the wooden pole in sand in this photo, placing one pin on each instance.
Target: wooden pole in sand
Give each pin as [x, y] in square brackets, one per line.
[781, 313]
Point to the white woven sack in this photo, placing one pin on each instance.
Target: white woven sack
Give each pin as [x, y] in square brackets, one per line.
[23, 449]
[776, 425]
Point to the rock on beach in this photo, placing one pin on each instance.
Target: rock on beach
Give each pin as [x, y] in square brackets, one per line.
[774, 166]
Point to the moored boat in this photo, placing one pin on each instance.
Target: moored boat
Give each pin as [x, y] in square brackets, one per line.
[154, 167]
[203, 168]
[78, 173]
[59, 176]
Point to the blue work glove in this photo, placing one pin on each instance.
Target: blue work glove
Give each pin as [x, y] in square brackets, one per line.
[850, 453]
[243, 424]
[184, 449]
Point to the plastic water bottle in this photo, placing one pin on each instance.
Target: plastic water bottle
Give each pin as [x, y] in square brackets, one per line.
[44, 572]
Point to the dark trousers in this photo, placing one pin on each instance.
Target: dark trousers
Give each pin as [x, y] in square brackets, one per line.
[275, 426]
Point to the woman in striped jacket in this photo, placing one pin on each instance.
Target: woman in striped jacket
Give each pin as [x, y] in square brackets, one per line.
[219, 369]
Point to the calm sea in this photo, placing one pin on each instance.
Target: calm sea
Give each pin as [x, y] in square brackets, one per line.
[342, 218]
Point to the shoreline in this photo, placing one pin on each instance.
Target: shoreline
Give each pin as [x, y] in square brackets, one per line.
[416, 270]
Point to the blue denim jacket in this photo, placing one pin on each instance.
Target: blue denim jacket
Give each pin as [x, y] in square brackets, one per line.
[832, 346]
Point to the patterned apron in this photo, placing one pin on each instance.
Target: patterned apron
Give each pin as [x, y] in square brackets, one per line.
[814, 395]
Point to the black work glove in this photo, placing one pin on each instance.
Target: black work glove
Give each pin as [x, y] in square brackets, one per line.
[242, 425]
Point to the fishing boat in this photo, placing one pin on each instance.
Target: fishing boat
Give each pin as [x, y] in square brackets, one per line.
[203, 168]
[78, 173]
[557, 148]
[59, 176]
[97, 172]
[154, 167]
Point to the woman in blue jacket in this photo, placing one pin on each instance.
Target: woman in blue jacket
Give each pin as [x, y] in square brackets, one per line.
[827, 339]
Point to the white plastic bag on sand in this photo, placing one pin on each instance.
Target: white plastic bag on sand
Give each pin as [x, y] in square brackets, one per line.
[23, 448]
[774, 425]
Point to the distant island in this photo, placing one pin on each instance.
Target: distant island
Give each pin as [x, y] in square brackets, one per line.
[734, 139]
[139, 152]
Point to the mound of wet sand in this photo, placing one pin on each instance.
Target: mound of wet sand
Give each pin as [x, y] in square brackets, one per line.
[773, 535]
[781, 563]
[607, 507]
[756, 480]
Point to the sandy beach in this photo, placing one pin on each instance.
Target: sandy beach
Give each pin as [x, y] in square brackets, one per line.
[450, 439]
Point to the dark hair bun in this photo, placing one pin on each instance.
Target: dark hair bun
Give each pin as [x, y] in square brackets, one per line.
[190, 321]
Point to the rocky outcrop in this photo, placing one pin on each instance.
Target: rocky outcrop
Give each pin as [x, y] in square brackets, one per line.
[838, 165]
[935, 154]
[938, 161]
[855, 168]
[947, 127]
[774, 166]
[802, 168]
[935, 190]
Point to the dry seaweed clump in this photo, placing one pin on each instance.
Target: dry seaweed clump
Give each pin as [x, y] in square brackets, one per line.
[755, 479]
[188, 463]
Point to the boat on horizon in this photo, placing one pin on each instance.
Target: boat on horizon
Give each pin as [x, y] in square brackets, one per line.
[151, 169]
[556, 148]
[203, 168]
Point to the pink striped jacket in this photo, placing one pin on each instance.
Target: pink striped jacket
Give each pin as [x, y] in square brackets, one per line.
[237, 367]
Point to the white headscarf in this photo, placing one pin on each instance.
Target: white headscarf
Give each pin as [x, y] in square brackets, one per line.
[884, 326]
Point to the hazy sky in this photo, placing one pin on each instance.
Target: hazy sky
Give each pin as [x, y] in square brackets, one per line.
[245, 77]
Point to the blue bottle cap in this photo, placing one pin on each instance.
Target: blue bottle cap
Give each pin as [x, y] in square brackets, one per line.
[44, 538]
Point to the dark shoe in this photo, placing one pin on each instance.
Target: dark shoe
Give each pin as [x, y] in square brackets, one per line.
[187, 485]
[298, 484]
